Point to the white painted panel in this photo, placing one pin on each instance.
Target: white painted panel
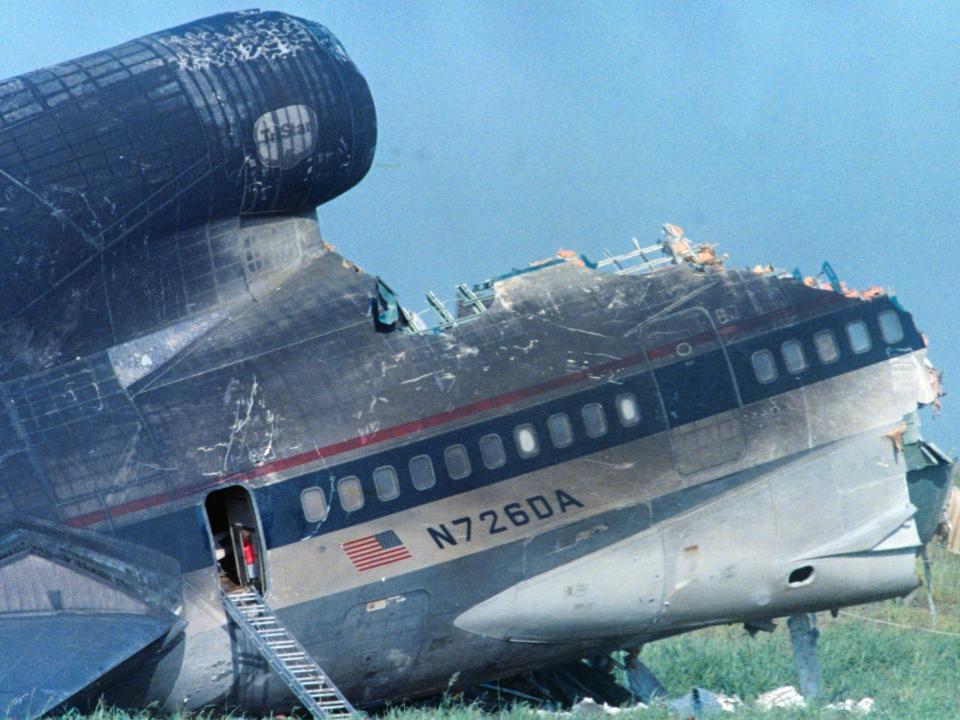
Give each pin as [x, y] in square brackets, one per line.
[615, 591]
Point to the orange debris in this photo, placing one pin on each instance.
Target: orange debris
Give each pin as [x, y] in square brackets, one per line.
[571, 256]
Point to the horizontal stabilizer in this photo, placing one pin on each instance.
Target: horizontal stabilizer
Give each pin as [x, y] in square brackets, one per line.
[75, 606]
[59, 654]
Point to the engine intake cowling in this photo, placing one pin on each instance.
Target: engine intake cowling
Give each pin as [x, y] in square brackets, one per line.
[241, 113]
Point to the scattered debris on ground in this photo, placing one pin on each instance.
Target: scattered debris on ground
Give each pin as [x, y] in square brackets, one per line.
[863, 707]
[782, 697]
[589, 707]
[701, 702]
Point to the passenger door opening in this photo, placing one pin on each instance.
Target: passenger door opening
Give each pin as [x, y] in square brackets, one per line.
[237, 546]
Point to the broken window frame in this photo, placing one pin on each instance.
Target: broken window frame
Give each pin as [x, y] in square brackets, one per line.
[492, 452]
[454, 454]
[416, 476]
[560, 430]
[856, 347]
[594, 419]
[794, 358]
[526, 431]
[820, 346]
[386, 483]
[897, 327]
[347, 487]
[772, 372]
[309, 511]
[628, 410]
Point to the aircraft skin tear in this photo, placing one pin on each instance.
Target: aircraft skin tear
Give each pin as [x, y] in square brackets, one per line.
[585, 456]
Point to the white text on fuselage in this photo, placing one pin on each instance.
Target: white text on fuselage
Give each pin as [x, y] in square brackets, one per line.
[495, 521]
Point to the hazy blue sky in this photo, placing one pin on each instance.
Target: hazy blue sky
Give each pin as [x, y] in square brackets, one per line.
[789, 133]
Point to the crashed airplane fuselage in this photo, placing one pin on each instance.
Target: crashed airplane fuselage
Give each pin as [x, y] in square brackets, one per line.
[200, 396]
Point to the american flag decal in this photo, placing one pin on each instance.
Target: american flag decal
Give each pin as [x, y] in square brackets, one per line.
[374, 551]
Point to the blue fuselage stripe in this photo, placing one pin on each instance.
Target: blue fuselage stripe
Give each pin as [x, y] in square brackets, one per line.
[687, 391]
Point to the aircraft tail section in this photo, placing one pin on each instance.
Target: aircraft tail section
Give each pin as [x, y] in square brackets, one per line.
[124, 174]
[187, 278]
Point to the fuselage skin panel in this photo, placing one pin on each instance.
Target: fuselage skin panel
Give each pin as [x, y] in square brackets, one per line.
[594, 460]
[665, 523]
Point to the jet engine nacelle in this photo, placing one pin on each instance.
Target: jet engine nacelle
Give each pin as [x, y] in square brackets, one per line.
[127, 176]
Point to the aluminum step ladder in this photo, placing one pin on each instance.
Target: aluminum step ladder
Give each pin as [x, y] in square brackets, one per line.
[301, 673]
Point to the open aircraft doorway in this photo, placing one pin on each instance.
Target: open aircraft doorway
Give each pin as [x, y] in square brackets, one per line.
[237, 545]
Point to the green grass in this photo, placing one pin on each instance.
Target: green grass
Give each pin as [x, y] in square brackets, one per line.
[911, 674]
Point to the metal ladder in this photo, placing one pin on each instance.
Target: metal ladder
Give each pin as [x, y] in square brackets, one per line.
[286, 655]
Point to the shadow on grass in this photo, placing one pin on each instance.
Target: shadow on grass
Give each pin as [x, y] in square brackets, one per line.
[911, 674]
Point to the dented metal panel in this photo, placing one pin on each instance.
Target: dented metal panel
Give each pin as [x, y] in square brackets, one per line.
[174, 323]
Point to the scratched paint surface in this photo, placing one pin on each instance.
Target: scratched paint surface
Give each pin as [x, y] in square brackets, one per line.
[174, 323]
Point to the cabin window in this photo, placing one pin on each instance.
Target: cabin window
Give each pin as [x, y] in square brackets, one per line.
[386, 482]
[793, 357]
[314, 502]
[561, 431]
[527, 443]
[764, 366]
[492, 452]
[350, 492]
[890, 327]
[827, 349]
[457, 461]
[421, 472]
[627, 409]
[859, 337]
[594, 420]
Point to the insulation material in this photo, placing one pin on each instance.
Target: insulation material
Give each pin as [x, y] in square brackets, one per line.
[953, 521]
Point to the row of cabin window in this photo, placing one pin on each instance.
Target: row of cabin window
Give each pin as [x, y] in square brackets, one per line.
[795, 359]
[456, 459]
